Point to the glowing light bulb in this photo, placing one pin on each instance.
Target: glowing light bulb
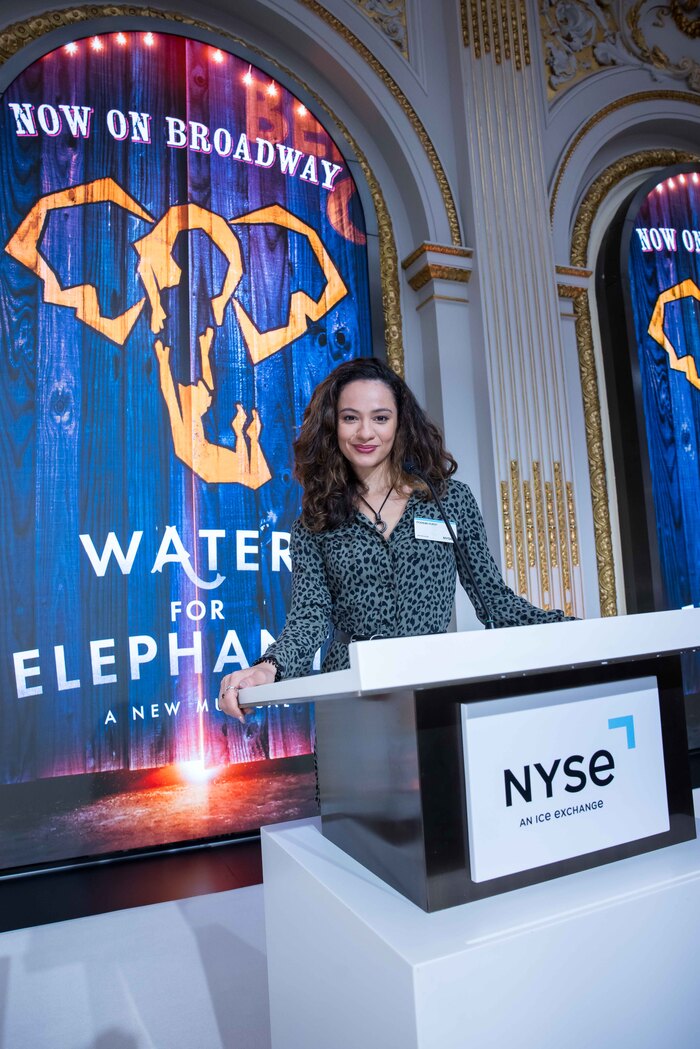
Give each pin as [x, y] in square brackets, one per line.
[121, 39]
[149, 39]
[660, 188]
[271, 89]
[671, 183]
[71, 48]
[302, 110]
[696, 177]
[248, 77]
[217, 56]
[96, 44]
[681, 179]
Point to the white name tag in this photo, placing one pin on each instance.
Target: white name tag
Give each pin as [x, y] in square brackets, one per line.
[436, 531]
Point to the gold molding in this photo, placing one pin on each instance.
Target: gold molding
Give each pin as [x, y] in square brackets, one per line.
[433, 271]
[499, 26]
[465, 22]
[573, 528]
[551, 524]
[518, 521]
[599, 189]
[529, 525]
[398, 95]
[569, 291]
[14, 37]
[507, 525]
[573, 271]
[436, 249]
[602, 529]
[383, 20]
[580, 238]
[612, 107]
[541, 541]
[563, 531]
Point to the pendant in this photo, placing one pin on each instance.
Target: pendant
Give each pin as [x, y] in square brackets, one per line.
[379, 524]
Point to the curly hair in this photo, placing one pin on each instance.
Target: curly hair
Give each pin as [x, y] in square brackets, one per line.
[329, 482]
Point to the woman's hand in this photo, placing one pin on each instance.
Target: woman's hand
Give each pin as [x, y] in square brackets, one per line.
[260, 674]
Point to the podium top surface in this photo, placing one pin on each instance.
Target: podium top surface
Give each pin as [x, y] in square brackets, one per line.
[487, 655]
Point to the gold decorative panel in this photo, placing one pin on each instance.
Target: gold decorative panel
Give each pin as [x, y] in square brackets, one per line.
[498, 27]
[389, 16]
[540, 535]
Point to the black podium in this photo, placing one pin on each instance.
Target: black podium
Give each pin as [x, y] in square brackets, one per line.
[464, 765]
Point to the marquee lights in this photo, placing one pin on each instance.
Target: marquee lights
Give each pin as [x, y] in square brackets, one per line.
[98, 43]
[271, 89]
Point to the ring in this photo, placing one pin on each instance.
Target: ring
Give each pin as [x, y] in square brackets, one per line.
[234, 687]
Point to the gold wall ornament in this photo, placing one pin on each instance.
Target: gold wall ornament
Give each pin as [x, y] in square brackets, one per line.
[507, 525]
[641, 97]
[464, 18]
[529, 525]
[573, 530]
[563, 530]
[390, 18]
[541, 532]
[551, 524]
[573, 271]
[498, 26]
[15, 36]
[518, 522]
[584, 37]
[607, 180]
[433, 272]
[597, 473]
[681, 14]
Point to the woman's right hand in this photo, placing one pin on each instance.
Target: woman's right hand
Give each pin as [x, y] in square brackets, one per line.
[260, 674]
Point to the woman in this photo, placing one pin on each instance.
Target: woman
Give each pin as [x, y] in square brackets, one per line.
[361, 567]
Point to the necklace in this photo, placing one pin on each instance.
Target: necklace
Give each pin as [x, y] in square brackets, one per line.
[379, 523]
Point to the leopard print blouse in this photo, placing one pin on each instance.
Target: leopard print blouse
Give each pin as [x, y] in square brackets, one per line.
[354, 579]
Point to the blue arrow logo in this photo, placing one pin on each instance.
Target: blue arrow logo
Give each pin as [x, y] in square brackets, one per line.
[627, 723]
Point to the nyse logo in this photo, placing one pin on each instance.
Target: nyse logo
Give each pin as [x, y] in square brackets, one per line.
[600, 773]
[599, 770]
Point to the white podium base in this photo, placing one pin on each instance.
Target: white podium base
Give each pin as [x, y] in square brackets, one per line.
[606, 958]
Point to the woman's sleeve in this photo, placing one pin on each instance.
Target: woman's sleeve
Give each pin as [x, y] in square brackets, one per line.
[505, 607]
[308, 619]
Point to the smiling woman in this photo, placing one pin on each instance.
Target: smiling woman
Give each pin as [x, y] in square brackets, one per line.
[366, 561]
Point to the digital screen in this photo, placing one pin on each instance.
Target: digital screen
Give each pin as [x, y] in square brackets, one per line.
[184, 259]
[664, 289]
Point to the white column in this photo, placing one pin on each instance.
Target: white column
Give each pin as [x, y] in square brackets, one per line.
[530, 413]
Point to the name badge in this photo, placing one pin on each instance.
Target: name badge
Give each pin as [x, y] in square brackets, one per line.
[435, 531]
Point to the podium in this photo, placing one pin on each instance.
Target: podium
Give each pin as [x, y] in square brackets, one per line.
[460, 766]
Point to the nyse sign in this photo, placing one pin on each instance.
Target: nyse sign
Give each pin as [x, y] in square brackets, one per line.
[562, 774]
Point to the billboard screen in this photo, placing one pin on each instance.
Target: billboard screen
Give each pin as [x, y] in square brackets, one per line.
[184, 259]
[663, 275]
